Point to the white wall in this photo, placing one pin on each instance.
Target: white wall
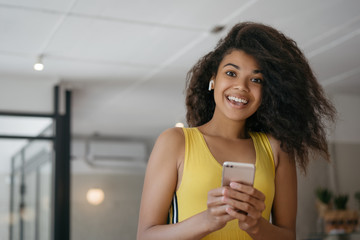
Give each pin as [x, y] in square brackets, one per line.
[116, 217]
[346, 147]
[25, 94]
[348, 166]
[348, 123]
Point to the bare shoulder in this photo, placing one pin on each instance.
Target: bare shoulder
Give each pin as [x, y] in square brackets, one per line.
[162, 167]
[172, 134]
[169, 143]
[172, 137]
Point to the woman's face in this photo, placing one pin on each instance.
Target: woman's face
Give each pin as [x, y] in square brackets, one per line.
[238, 86]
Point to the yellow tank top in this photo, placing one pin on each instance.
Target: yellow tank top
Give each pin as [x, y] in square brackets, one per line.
[202, 173]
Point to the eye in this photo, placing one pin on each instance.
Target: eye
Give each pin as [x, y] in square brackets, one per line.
[257, 80]
[230, 73]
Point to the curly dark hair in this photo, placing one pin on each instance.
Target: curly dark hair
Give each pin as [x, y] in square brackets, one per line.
[294, 108]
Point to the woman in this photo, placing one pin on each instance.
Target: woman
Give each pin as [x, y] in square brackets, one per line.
[254, 99]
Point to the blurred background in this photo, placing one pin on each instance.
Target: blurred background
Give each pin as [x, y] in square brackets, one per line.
[110, 77]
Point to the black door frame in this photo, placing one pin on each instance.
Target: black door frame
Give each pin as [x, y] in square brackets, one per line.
[60, 228]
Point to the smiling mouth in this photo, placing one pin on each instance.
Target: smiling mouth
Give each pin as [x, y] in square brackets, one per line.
[236, 100]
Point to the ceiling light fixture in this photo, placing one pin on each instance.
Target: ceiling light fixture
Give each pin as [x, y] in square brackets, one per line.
[39, 66]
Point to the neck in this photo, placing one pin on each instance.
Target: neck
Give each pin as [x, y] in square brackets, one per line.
[227, 129]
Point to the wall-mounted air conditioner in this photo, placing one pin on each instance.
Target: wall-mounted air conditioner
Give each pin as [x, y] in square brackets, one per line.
[101, 152]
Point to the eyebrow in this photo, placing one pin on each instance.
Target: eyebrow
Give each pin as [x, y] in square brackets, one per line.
[256, 71]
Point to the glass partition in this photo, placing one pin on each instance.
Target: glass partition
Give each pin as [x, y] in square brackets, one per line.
[35, 173]
[31, 192]
[23, 126]
[26, 172]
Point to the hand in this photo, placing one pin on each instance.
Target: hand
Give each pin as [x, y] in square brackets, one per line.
[216, 214]
[246, 204]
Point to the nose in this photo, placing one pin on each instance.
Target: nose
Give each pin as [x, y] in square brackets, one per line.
[241, 84]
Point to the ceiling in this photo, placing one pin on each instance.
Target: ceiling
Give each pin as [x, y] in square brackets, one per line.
[126, 61]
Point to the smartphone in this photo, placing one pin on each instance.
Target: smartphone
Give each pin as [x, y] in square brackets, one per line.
[238, 172]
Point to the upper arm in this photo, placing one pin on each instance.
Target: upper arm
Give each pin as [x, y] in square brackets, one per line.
[161, 178]
[285, 200]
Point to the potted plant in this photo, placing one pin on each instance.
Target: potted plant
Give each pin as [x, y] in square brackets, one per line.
[323, 198]
[340, 201]
[340, 220]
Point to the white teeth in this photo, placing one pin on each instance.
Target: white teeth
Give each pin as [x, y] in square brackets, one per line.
[240, 100]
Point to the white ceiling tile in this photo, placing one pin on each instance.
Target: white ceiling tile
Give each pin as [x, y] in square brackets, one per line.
[117, 41]
[201, 14]
[301, 20]
[85, 70]
[187, 60]
[16, 64]
[55, 5]
[24, 31]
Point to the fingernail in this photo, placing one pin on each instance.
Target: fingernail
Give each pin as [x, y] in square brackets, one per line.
[232, 185]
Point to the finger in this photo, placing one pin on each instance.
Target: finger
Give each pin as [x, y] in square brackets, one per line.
[215, 198]
[245, 222]
[225, 218]
[247, 189]
[245, 203]
[244, 208]
[215, 201]
[236, 214]
[234, 198]
[217, 192]
[219, 210]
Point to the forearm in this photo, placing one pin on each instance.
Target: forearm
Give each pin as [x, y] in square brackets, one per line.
[268, 231]
[191, 229]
